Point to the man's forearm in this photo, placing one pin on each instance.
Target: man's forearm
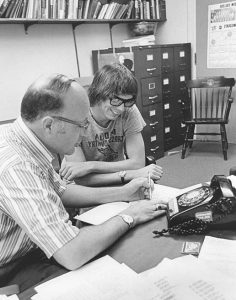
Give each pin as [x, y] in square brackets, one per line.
[90, 241]
[80, 196]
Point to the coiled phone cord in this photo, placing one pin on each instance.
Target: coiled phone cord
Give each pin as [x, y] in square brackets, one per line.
[197, 226]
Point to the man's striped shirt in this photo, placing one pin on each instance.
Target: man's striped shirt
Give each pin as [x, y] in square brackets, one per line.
[31, 212]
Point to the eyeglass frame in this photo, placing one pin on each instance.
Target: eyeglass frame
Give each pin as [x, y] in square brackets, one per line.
[123, 101]
[83, 125]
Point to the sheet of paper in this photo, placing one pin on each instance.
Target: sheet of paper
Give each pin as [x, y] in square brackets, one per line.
[162, 193]
[218, 249]
[189, 276]
[104, 212]
[102, 279]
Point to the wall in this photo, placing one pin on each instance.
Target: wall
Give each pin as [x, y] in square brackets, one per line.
[46, 49]
[50, 48]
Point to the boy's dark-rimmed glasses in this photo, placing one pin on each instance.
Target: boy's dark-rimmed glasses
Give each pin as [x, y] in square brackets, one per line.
[117, 101]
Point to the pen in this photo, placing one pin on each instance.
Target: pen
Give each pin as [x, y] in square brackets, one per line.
[150, 188]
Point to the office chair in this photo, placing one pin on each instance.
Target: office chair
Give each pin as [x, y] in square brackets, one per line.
[209, 102]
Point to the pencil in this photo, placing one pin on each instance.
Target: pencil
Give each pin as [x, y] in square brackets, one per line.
[150, 188]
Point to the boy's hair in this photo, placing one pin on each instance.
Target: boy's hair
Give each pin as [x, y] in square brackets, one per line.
[110, 80]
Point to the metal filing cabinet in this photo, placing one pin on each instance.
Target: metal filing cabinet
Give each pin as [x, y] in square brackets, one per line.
[162, 72]
[176, 71]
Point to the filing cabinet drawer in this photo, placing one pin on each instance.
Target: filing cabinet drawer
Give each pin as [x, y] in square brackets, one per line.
[147, 62]
[153, 115]
[153, 139]
[151, 90]
[168, 110]
[169, 135]
[182, 57]
[167, 86]
[167, 60]
[181, 78]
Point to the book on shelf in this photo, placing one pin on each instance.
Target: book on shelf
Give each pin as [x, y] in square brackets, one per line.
[109, 10]
[15, 9]
[140, 4]
[152, 10]
[162, 9]
[4, 7]
[85, 8]
[103, 11]
[116, 10]
[92, 8]
[19, 10]
[10, 8]
[97, 10]
[157, 9]
[130, 9]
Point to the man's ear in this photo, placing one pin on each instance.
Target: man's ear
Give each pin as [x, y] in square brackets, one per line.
[47, 123]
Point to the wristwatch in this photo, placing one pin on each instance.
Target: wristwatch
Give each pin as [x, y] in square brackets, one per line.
[127, 219]
[122, 176]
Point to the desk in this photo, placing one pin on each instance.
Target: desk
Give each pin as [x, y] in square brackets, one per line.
[140, 250]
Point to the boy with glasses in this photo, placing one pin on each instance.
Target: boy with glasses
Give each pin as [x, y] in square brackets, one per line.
[114, 132]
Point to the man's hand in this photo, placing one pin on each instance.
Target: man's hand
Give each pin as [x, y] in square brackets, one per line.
[154, 170]
[143, 211]
[137, 189]
[71, 170]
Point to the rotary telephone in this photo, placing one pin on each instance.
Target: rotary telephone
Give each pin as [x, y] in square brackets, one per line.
[207, 207]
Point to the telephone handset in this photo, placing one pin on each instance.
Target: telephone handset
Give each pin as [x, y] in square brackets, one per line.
[203, 208]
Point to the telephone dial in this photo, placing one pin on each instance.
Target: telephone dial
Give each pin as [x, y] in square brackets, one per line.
[203, 208]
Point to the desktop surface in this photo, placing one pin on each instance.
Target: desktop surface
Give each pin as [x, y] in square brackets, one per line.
[141, 250]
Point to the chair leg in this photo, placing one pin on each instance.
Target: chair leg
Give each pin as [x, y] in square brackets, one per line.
[191, 135]
[185, 143]
[224, 140]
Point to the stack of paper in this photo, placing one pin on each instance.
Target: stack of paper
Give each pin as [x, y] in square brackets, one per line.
[209, 277]
[103, 279]
[140, 41]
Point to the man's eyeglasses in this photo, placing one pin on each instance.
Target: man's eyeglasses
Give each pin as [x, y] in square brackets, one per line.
[84, 124]
[117, 101]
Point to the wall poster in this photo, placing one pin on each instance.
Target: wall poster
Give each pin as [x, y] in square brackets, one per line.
[221, 50]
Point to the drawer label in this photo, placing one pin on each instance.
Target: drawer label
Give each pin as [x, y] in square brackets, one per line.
[149, 57]
[167, 129]
[182, 54]
[152, 112]
[182, 78]
[167, 106]
[165, 55]
[166, 81]
[153, 138]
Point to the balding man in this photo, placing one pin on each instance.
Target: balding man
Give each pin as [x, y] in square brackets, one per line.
[36, 237]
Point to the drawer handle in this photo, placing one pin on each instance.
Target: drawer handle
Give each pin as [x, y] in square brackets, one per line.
[155, 149]
[152, 97]
[153, 124]
[151, 70]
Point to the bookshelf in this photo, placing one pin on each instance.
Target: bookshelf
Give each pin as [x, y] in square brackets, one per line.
[39, 12]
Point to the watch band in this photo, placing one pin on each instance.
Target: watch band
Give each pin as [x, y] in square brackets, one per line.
[127, 219]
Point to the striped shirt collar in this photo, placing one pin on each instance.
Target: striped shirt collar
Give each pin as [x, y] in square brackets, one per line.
[31, 142]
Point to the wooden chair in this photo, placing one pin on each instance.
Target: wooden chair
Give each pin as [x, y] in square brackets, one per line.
[209, 102]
